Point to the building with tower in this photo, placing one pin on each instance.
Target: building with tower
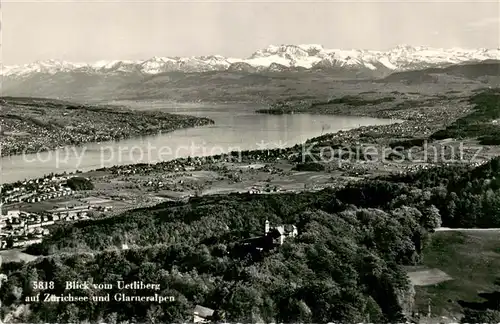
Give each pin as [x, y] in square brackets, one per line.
[280, 233]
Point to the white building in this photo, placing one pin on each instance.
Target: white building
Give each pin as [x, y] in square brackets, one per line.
[202, 314]
[281, 233]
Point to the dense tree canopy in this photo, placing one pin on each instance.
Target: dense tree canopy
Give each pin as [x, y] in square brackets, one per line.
[344, 266]
[79, 183]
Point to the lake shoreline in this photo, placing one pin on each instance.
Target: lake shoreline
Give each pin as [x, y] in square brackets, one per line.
[208, 122]
[233, 128]
[48, 124]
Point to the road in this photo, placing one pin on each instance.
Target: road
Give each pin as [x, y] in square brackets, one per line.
[445, 229]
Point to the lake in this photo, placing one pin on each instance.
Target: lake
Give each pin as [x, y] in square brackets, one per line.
[237, 127]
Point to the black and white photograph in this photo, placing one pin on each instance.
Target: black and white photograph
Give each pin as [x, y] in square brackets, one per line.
[218, 161]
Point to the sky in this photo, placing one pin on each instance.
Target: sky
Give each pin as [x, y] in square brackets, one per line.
[88, 31]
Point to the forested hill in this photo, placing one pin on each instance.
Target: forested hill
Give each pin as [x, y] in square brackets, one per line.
[344, 266]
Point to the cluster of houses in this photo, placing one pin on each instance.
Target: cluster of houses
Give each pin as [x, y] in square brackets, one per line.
[75, 212]
[181, 164]
[70, 214]
[202, 163]
[20, 229]
[254, 190]
[55, 193]
[159, 184]
[36, 190]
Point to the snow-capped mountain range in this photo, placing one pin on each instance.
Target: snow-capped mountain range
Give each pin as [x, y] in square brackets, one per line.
[283, 57]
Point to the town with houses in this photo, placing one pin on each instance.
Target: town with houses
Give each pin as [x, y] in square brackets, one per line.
[36, 190]
[20, 228]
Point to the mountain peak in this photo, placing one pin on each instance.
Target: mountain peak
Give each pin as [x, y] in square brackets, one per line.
[400, 58]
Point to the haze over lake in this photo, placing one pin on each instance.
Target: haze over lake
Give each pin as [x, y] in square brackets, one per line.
[237, 127]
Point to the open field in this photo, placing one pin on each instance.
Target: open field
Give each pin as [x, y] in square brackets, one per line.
[470, 258]
[16, 255]
[232, 177]
[427, 277]
[124, 192]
